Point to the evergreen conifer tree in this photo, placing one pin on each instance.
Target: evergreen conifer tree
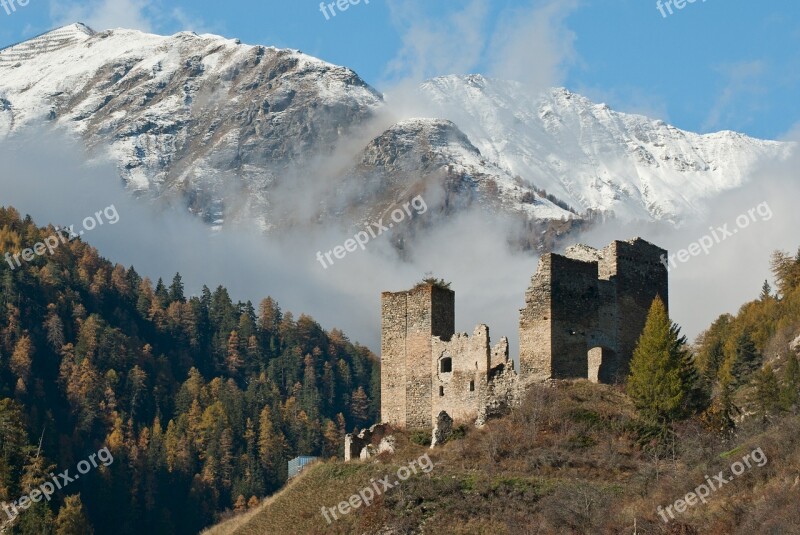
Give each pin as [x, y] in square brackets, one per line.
[663, 382]
[790, 391]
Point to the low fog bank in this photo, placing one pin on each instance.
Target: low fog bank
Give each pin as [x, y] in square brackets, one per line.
[734, 240]
[47, 177]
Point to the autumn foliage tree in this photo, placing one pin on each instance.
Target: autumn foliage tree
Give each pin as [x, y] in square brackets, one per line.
[200, 399]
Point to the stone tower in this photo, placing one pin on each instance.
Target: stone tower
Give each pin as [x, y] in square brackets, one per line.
[410, 320]
[584, 311]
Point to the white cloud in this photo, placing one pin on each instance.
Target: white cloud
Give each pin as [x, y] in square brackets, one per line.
[743, 82]
[793, 134]
[534, 45]
[441, 46]
[105, 14]
[467, 249]
[531, 45]
[145, 15]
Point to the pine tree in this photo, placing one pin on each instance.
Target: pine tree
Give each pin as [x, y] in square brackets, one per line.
[71, 519]
[310, 398]
[661, 381]
[359, 407]
[722, 413]
[176, 289]
[37, 519]
[233, 359]
[146, 297]
[786, 270]
[332, 439]
[741, 351]
[695, 386]
[766, 291]
[272, 447]
[162, 294]
[711, 347]
[767, 392]
[55, 330]
[790, 390]
[20, 363]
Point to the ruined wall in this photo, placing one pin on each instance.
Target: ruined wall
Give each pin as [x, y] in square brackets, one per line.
[583, 315]
[461, 391]
[575, 308]
[505, 389]
[584, 311]
[409, 321]
[638, 275]
[535, 346]
[393, 358]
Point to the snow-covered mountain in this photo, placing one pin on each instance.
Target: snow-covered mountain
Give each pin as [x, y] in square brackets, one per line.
[236, 131]
[204, 116]
[417, 152]
[593, 157]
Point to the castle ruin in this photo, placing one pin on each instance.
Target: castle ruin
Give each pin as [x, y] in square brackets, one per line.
[584, 312]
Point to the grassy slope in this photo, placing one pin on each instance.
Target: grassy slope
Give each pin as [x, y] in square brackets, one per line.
[568, 461]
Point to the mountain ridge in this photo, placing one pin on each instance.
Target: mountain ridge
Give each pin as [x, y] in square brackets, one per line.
[551, 138]
[223, 126]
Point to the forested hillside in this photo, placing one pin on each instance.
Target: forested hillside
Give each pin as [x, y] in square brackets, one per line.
[200, 400]
[748, 360]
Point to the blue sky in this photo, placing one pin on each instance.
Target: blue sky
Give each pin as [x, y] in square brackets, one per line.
[713, 65]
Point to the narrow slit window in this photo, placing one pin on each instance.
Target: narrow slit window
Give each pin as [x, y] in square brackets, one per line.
[441, 391]
[472, 386]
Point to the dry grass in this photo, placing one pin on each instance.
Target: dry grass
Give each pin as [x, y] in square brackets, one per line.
[568, 461]
[230, 525]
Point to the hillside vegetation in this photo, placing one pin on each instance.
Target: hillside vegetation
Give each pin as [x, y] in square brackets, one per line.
[569, 460]
[719, 418]
[200, 400]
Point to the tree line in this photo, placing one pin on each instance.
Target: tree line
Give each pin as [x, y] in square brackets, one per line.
[201, 400]
[742, 364]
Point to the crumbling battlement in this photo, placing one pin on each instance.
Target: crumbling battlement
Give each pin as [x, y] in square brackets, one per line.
[461, 369]
[584, 312]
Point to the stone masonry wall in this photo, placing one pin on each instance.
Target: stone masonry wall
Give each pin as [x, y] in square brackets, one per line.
[409, 321]
[582, 318]
[575, 295]
[535, 344]
[393, 358]
[638, 274]
[589, 301]
[461, 391]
